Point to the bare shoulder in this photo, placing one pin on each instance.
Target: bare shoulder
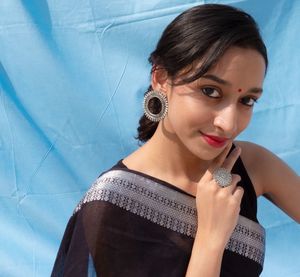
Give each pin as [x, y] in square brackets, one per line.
[272, 178]
[265, 169]
[251, 152]
[263, 160]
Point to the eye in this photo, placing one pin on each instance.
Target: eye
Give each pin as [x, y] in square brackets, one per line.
[211, 92]
[249, 101]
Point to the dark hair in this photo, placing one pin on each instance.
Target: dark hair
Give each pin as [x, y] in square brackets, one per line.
[202, 33]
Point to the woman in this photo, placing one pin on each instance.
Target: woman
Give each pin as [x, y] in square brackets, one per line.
[173, 208]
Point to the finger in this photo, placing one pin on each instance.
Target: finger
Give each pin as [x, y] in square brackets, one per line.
[238, 193]
[232, 158]
[219, 160]
[232, 187]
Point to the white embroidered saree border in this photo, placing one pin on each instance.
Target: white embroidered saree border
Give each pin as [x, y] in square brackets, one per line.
[170, 209]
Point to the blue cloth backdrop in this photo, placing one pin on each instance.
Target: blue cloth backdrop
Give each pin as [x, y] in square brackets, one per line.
[72, 77]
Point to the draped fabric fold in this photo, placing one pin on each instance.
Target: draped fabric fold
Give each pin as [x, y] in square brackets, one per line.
[131, 224]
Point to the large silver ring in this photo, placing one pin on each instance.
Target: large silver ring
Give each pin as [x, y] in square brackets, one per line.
[223, 177]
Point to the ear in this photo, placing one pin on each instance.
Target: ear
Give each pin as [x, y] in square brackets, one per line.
[160, 80]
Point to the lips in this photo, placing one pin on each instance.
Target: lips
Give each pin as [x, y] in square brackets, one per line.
[214, 141]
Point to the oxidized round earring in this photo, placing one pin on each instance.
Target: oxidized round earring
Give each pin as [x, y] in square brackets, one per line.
[153, 95]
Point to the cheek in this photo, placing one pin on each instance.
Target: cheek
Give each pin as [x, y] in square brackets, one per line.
[201, 115]
[188, 107]
[186, 113]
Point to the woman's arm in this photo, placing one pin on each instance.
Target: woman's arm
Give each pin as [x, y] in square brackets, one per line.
[206, 258]
[273, 178]
[217, 211]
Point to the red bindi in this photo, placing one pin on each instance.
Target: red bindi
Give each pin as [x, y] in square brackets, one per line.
[239, 90]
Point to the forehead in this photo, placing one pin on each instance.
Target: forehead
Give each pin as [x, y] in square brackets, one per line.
[240, 67]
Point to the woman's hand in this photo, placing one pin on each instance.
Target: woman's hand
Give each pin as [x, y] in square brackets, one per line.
[218, 208]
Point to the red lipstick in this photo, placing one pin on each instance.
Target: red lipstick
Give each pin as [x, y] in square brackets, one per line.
[215, 141]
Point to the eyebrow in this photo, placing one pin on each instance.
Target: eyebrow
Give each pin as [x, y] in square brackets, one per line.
[224, 82]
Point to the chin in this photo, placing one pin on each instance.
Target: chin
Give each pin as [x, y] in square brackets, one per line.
[203, 151]
[207, 154]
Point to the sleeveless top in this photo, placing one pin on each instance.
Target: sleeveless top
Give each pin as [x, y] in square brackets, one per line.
[132, 224]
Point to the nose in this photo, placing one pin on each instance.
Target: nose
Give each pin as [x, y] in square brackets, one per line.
[226, 120]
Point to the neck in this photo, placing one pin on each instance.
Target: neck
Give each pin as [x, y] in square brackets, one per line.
[166, 152]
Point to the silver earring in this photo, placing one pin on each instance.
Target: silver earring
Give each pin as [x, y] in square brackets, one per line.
[155, 117]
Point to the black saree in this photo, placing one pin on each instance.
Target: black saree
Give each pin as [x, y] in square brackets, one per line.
[131, 224]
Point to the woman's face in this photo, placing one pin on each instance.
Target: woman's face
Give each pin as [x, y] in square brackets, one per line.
[206, 115]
